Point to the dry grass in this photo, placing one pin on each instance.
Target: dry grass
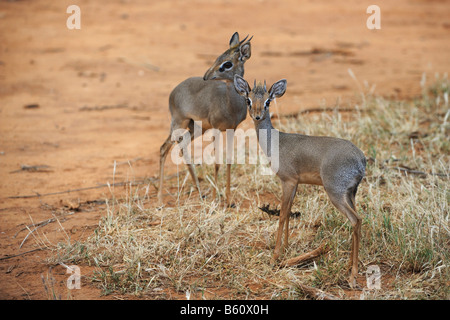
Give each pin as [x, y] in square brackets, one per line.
[198, 249]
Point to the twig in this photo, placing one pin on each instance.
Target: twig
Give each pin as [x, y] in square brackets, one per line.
[31, 231]
[316, 293]
[37, 168]
[36, 226]
[104, 107]
[276, 212]
[117, 184]
[408, 170]
[21, 254]
[322, 249]
[39, 224]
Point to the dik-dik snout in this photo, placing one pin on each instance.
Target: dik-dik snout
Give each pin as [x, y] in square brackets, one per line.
[232, 61]
[258, 99]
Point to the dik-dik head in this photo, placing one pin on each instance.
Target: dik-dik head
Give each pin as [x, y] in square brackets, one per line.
[259, 99]
[232, 61]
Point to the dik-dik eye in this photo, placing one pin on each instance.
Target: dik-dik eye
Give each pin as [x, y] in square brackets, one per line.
[227, 65]
[249, 103]
[266, 104]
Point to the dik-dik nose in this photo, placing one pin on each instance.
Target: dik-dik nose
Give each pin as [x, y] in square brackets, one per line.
[257, 117]
[207, 74]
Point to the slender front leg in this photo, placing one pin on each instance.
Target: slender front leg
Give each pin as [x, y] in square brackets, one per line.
[289, 190]
[218, 160]
[216, 171]
[228, 193]
[229, 160]
[286, 230]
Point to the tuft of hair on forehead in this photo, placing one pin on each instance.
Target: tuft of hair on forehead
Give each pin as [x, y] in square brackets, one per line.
[259, 89]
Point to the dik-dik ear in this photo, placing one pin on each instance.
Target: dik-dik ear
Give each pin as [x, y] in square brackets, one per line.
[278, 89]
[245, 51]
[234, 41]
[241, 85]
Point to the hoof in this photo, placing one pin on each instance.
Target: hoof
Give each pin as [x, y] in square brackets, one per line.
[274, 260]
[353, 284]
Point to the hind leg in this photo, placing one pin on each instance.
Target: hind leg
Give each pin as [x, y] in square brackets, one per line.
[164, 151]
[216, 174]
[344, 202]
[356, 236]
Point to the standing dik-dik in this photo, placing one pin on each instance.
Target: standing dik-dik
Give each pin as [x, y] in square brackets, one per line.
[215, 103]
[336, 164]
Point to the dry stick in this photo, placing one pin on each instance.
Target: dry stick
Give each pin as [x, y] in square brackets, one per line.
[313, 292]
[38, 168]
[118, 184]
[276, 212]
[21, 254]
[316, 293]
[35, 225]
[38, 225]
[323, 248]
[402, 169]
[71, 190]
[31, 231]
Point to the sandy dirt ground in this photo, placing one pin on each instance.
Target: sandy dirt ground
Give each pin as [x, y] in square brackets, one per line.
[74, 101]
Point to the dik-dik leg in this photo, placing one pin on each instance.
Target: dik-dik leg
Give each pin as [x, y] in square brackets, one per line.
[164, 151]
[289, 190]
[345, 204]
[229, 160]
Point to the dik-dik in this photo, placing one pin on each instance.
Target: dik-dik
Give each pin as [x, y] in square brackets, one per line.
[215, 103]
[336, 164]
